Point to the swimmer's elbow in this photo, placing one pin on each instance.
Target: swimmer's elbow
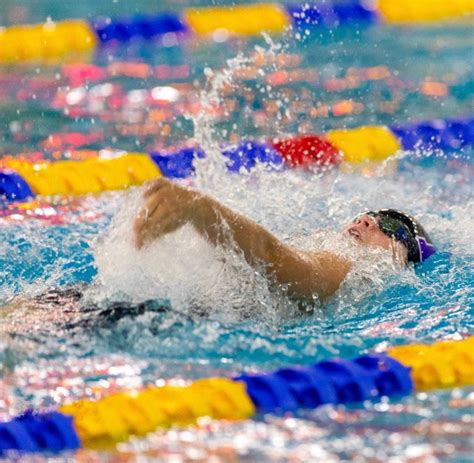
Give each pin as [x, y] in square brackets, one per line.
[304, 275]
[329, 271]
[318, 274]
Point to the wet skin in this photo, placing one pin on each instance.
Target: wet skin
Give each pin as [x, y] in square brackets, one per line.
[365, 230]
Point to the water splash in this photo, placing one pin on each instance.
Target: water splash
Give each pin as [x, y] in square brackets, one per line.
[189, 272]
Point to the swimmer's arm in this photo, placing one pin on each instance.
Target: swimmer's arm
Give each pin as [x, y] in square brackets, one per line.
[169, 206]
[305, 274]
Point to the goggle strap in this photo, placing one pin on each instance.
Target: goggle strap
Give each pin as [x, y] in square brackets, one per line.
[425, 249]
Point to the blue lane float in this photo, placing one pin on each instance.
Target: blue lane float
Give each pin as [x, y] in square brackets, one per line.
[331, 14]
[446, 135]
[247, 154]
[13, 187]
[52, 432]
[178, 164]
[144, 27]
[242, 156]
[368, 377]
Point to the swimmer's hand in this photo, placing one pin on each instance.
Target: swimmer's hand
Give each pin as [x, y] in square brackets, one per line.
[167, 207]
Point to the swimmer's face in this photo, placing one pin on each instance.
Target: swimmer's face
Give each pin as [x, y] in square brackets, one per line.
[365, 230]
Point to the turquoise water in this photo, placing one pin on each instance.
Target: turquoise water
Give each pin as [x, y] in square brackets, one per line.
[292, 85]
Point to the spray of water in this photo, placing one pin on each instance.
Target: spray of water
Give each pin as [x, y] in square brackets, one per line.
[184, 269]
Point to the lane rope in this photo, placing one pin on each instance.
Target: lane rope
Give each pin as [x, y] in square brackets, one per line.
[101, 423]
[76, 40]
[21, 179]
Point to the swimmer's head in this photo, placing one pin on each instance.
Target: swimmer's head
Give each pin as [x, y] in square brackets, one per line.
[382, 227]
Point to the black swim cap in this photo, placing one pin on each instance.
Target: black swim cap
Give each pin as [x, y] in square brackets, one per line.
[408, 231]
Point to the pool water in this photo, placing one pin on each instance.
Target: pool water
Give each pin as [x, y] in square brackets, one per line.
[222, 318]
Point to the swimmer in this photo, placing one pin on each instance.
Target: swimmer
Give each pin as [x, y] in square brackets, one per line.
[305, 274]
[167, 207]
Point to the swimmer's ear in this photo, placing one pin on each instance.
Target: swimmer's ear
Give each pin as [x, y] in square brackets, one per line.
[399, 253]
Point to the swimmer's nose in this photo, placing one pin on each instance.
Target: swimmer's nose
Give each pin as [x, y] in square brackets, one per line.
[360, 226]
[365, 222]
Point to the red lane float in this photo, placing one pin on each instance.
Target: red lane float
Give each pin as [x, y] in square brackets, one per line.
[306, 150]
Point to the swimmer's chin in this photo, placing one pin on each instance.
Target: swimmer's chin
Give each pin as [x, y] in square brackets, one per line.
[363, 251]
